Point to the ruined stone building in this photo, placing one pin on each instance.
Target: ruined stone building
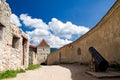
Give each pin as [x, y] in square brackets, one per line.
[105, 37]
[33, 55]
[14, 44]
[38, 55]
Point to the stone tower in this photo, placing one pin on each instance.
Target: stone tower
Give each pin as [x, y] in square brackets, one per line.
[43, 50]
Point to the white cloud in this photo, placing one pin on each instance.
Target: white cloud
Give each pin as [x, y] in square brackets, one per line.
[33, 22]
[52, 40]
[66, 30]
[56, 33]
[15, 20]
[55, 41]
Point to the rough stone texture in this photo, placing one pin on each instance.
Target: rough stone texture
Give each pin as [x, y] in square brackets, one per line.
[43, 50]
[43, 53]
[33, 55]
[105, 37]
[11, 57]
[38, 54]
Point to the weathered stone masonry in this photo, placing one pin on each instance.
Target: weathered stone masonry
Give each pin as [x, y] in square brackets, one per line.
[43, 50]
[33, 56]
[14, 44]
[38, 54]
[105, 37]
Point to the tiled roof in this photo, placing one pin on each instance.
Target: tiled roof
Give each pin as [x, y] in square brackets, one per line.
[43, 43]
[31, 46]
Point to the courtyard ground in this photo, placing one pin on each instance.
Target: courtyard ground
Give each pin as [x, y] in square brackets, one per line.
[58, 72]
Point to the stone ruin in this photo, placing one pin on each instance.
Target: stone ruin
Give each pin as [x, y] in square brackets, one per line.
[14, 42]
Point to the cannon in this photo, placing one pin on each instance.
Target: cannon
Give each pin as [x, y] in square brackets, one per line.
[99, 62]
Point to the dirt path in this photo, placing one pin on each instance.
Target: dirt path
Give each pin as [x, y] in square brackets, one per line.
[57, 72]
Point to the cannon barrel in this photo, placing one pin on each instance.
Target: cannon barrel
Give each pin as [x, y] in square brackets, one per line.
[101, 63]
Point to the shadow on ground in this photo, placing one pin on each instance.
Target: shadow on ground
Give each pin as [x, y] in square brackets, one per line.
[78, 72]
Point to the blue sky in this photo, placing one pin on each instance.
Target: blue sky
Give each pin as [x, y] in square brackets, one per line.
[58, 21]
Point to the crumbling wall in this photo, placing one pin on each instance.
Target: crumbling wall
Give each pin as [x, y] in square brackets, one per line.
[11, 55]
[33, 55]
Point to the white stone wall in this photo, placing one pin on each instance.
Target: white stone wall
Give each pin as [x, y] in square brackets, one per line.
[11, 58]
[33, 58]
[42, 52]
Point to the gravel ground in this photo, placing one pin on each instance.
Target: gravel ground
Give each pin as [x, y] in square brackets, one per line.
[58, 72]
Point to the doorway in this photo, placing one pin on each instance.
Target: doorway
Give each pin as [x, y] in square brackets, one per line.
[24, 47]
[59, 57]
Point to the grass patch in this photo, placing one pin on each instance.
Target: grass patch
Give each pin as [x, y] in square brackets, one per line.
[33, 66]
[13, 73]
[10, 73]
[20, 71]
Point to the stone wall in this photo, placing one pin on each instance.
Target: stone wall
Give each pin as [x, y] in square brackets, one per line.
[33, 55]
[14, 45]
[43, 52]
[105, 37]
[38, 54]
[33, 58]
[66, 54]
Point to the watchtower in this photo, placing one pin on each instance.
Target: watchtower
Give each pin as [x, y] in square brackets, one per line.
[43, 50]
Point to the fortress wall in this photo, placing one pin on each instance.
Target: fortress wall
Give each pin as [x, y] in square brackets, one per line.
[105, 37]
[14, 44]
[53, 58]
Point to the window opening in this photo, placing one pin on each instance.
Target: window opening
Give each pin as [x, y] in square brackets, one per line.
[15, 42]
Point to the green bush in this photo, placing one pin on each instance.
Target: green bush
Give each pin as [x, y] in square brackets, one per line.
[20, 71]
[10, 73]
[33, 66]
